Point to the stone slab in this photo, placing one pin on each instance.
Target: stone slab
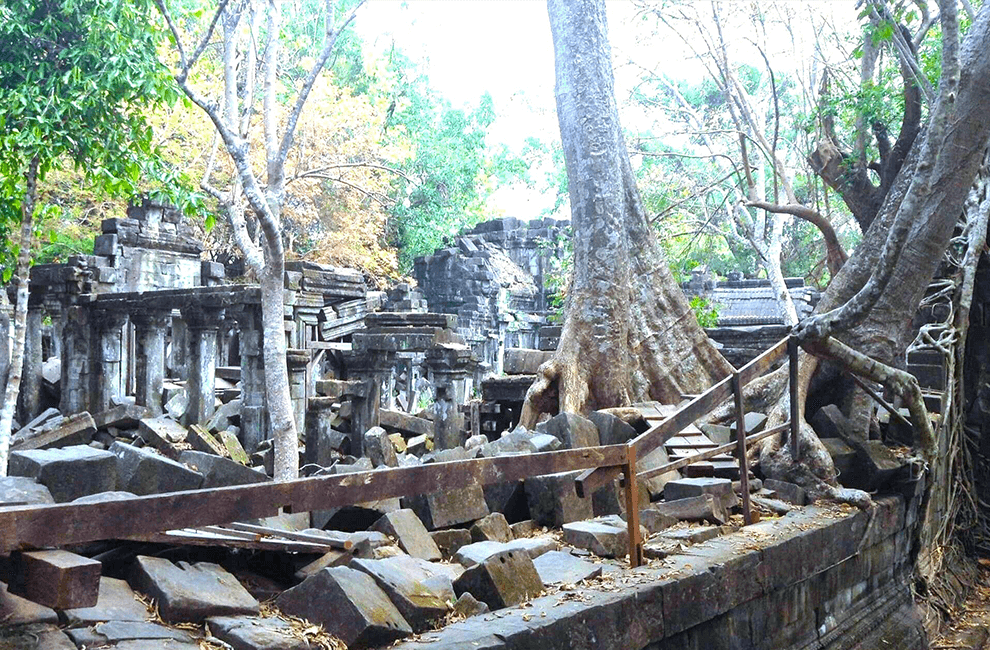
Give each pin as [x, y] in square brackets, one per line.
[505, 579]
[191, 592]
[253, 633]
[420, 592]
[144, 472]
[116, 602]
[410, 533]
[23, 491]
[602, 539]
[349, 605]
[449, 507]
[560, 567]
[68, 472]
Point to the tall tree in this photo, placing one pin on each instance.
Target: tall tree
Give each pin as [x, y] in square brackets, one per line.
[251, 36]
[629, 334]
[74, 78]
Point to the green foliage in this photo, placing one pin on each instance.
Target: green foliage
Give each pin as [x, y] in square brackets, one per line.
[75, 77]
[557, 278]
[705, 311]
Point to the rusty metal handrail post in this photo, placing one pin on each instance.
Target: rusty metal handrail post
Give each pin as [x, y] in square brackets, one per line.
[632, 508]
[792, 362]
[737, 390]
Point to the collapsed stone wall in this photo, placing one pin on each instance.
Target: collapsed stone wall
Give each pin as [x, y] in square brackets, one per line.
[495, 279]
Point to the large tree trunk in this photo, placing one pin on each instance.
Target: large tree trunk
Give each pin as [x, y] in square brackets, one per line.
[884, 332]
[19, 328]
[629, 334]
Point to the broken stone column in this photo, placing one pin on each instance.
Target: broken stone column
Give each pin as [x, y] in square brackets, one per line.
[76, 339]
[149, 347]
[449, 363]
[298, 362]
[254, 426]
[179, 352]
[107, 359]
[202, 325]
[29, 398]
[370, 367]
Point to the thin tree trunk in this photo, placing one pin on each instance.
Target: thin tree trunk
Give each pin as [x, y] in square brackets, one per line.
[276, 372]
[19, 329]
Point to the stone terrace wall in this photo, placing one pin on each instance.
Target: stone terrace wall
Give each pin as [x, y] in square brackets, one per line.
[494, 280]
[817, 578]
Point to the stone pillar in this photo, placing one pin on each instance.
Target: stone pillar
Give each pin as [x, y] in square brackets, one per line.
[254, 426]
[298, 362]
[149, 353]
[202, 325]
[77, 336]
[178, 361]
[370, 367]
[29, 397]
[449, 364]
[107, 368]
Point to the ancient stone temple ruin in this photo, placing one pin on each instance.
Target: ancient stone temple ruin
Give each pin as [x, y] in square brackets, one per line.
[424, 517]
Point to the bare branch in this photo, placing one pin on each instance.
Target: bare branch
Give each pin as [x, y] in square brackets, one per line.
[836, 255]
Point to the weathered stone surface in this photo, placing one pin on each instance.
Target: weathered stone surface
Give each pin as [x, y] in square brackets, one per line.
[572, 430]
[124, 416]
[502, 580]
[522, 361]
[788, 492]
[409, 532]
[875, 466]
[476, 553]
[467, 606]
[191, 592]
[349, 605]
[717, 433]
[220, 472]
[703, 507]
[77, 429]
[116, 602]
[38, 636]
[654, 520]
[69, 472]
[493, 528]
[602, 539]
[449, 507]
[829, 422]
[656, 458]
[224, 417]
[560, 567]
[113, 632]
[23, 491]
[103, 497]
[754, 423]
[418, 591]
[553, 500]
[843, 456]
[692, 487]
[15, 610]
[694, 535]
[144, 472]
[543, 442]
[524, 528]
[379, 448]
[451, 540]
[162, 433]
[611, 429]
[253, 633]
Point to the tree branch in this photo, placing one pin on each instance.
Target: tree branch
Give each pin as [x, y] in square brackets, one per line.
[836, 255]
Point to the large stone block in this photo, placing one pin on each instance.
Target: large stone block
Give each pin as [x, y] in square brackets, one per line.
[553, 500]
[503, 580]
[720, 488]
[417, 589]
[191, 592]
[379, 448]
[449, 507]
[560, 567]
[451, 540]
[611, 429]
[409, 532]
[602, 539]
[23, 491]
[572, 430]
[142, 472]
[492, 528]
[220, 472]
[116, 602]
[473, 554]
[252, 633]
[349, 605]
[69, 472]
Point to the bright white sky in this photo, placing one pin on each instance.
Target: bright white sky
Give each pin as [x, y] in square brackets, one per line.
[503, 47]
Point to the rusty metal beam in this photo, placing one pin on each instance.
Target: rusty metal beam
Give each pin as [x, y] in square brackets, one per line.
[27, 527]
